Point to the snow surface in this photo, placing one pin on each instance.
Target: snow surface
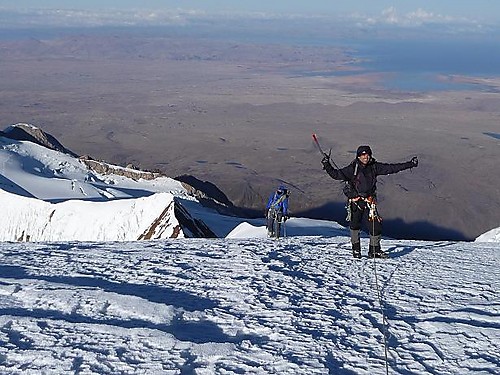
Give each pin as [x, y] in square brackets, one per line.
[32, 219]
[298, 305]
[35, 171]
[490, 236]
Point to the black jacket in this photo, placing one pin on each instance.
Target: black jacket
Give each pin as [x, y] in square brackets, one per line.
[363, 178]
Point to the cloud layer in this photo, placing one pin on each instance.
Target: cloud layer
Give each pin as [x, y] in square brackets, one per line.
[176, 16]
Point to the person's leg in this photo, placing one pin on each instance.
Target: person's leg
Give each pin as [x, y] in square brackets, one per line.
[375, 235]
[277, 223]
[270, 222]
[355, 236]
[356, 250]
[355, 227]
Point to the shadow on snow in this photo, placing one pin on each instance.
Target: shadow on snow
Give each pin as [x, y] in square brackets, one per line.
[194, 331]
[395, 228]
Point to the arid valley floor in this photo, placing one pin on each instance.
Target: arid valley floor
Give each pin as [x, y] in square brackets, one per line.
[241, 117]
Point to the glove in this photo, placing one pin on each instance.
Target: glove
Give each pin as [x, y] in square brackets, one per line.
[285, 218]
[325, 161]
[414, 161]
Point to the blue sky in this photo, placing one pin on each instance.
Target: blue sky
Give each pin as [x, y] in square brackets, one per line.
[478, 9]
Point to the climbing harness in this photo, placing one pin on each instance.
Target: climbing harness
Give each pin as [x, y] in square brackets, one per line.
[349, 211]
[371, 204]
[373, 212]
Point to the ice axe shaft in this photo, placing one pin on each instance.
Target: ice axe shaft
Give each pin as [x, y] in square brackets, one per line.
[315, 139]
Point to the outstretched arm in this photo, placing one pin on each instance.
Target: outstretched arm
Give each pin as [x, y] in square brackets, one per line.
[336, 174]
[385, 168]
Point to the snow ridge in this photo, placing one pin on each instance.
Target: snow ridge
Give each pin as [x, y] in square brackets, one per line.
[75, 220]
[49, 195]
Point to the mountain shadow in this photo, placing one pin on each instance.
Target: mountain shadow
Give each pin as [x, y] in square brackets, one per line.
[214, 197]
[394, 228]
[11, 187]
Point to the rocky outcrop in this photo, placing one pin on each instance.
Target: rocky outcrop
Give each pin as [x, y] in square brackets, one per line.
[106, 169]
[192, 227]
[205, 192]
[26, 132]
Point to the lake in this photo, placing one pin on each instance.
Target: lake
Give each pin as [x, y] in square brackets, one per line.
[417, 65]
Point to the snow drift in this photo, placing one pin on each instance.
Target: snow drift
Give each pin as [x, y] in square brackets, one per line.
[75, 220]
[490, 236]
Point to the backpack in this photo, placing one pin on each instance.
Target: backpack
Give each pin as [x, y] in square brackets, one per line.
[278, 201]
[349, 189]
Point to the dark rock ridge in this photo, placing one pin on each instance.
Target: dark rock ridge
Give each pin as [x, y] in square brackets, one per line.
[208, 194]
[105, 169]
[26, 132]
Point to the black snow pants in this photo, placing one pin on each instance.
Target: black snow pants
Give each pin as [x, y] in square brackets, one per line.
[359, 212]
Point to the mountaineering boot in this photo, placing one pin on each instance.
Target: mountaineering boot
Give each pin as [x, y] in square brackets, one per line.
[376, 252]
[356, 250]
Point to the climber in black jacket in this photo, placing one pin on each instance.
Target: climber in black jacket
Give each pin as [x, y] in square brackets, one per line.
[361, 185]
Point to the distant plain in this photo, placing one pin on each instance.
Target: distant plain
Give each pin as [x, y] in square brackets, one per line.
[241, 115]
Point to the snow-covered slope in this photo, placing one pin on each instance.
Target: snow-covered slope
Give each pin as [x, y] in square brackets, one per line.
[33, 170]
[300, 305]
[49, 195]
[490, 236]
[76, 220]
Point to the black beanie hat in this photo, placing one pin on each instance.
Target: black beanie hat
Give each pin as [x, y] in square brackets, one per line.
[363, 150]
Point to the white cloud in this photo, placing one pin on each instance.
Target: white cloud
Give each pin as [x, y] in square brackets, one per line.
[418, 17]
[390, 15]
[421, 20]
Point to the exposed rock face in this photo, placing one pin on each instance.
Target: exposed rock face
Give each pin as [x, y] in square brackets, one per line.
[192, 227]
[209, 195]
[205, 192]
[105, 169]
[26, 132]
[207, 187]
